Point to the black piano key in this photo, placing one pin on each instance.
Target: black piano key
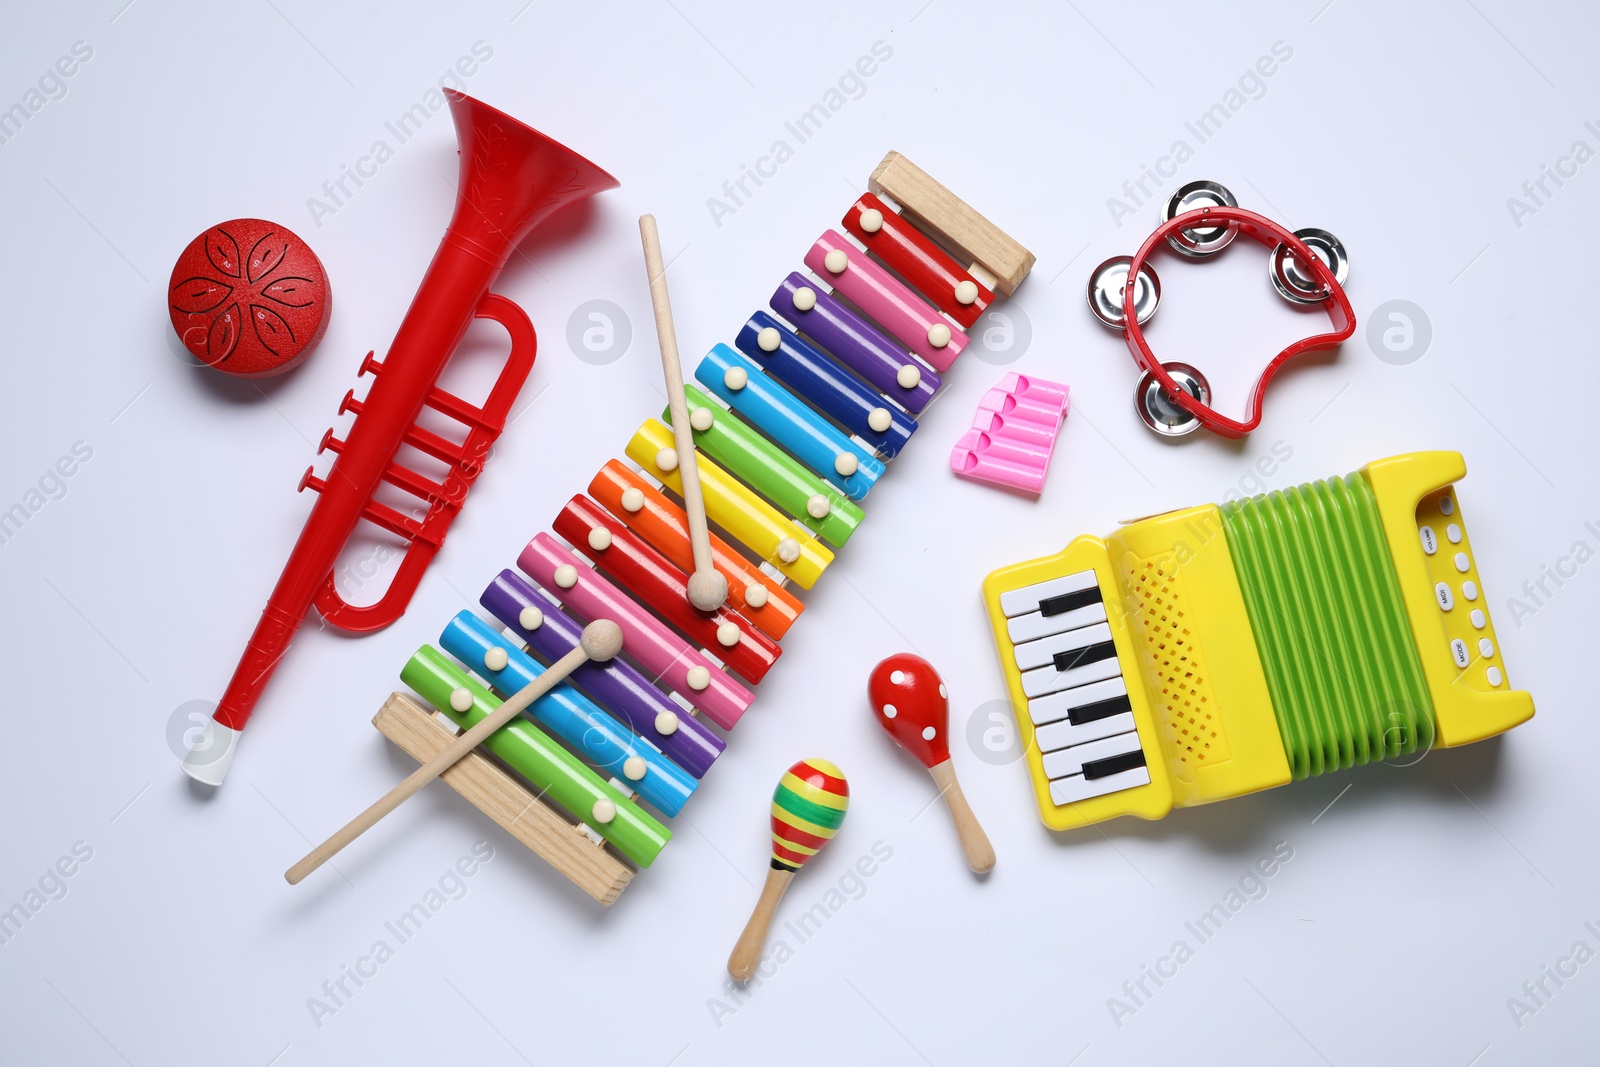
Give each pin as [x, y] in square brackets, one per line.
[1104, 768]
[1060, 605]
[1065, 661]
[1100, 709]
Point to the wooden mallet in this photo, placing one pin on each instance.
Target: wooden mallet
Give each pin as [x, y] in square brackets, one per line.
[807, 809]
[708, 588]
[601, 641]
[912, 704]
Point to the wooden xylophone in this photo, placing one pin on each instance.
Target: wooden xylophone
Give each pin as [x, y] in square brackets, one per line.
[793, 425]
[1213, 651]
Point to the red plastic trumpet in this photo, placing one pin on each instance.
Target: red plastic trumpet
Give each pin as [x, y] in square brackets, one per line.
[512, 178]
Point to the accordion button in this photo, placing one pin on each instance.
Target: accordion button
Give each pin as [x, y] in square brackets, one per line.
[1462, 562]
[1459, 653]
[1485, 647]
[1446, 506]
[1469, 590]
[1479, 619]
[1447, 599]
[1430, 540]
[1453, 532]
[1494, 676]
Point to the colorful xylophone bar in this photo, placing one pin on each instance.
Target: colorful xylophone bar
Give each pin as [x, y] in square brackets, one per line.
[792, 427]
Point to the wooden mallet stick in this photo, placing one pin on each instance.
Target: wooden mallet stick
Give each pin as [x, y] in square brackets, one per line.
[708, 588]
[601, 641]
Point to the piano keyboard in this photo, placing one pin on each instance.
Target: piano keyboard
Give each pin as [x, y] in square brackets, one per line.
[1077, 698]
[1209, 652]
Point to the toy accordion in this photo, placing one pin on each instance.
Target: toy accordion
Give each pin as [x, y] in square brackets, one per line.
[1214, 651]
[793, 426]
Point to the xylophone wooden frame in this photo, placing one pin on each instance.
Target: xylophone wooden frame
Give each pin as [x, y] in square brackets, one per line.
[991, 257]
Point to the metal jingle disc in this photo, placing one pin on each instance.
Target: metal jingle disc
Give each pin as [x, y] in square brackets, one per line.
[1290, 277]
[1197, 242]
[1107, 285]
[1160, 412]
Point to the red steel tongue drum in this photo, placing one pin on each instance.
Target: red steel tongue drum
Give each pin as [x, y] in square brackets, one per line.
[512, 178]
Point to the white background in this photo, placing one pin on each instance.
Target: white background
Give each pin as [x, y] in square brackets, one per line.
[1413, 907]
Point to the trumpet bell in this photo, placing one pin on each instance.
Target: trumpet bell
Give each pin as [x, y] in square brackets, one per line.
[512, 178]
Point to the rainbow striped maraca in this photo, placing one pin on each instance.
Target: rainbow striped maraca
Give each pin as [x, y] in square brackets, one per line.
[807, 809]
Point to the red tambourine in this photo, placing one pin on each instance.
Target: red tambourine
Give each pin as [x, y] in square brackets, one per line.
[1269, 233]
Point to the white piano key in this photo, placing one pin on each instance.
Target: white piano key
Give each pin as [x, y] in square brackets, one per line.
[1069, 761]
[1038, 653]
[1076, 788]
[1029, 597]
[1047, 679]
[1063, 734]
[1034, 625]
[1059, 705]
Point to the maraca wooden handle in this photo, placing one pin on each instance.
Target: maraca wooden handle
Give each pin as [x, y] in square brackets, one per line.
[974, 842]
[747, 951]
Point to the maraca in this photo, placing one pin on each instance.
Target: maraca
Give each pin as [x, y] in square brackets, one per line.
[807, 808]
[913, 706]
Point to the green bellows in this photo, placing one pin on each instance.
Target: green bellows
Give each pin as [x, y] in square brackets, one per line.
[1331, 629]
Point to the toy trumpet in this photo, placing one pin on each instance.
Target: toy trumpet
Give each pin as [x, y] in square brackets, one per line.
[512, 177]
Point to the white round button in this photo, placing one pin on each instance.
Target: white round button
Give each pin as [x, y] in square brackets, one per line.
[1430, 540]
[1447, 506]
[1485, 647]
[1462, 562]
[1478, 618]
[1469, 589]
[1453, 532]
[1494, 675]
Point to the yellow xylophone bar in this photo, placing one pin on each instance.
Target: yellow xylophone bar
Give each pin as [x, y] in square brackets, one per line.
[765, 531]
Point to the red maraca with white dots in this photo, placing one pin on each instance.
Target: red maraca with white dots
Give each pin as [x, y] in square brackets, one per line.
[912, 704]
